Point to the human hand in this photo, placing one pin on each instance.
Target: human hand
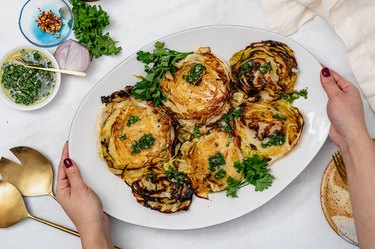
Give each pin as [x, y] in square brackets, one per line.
[344, 108]
[82, 204]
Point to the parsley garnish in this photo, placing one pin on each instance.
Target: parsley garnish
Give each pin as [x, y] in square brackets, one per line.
[295, 95]
[279, 117]
[237, 112]
[246, 67]
[123, 137]
[145, 142]
[150, 176]
[215, 160]
[196, 132]
[89, 23]
[157, 64]
[132, 120]
[172, 173]
[195, 74]
[226, 127]
[265, 68]
[164, 148]
[275, 139]
[220, 174]
[255, 172]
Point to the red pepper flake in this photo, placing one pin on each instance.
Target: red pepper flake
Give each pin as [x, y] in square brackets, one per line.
[49, 22]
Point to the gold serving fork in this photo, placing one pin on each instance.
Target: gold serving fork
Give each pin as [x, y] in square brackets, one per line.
[340, 166]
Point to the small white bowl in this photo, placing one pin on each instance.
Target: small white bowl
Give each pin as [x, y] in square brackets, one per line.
[44, 102]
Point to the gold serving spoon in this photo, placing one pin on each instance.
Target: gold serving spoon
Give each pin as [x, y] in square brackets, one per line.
[19, 61]
[13, 209]
[33, 177]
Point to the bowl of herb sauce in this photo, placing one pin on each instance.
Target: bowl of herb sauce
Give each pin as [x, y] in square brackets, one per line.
[24, 88]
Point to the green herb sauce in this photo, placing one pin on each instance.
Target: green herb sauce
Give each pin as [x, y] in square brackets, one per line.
[133, 120]
[195, 74]
[146, 142]
[275, 139]
[27, 86]
[215, 160]
[265, 68]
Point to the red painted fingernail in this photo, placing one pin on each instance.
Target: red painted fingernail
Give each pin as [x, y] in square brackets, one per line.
[325, 72]
[68, 163]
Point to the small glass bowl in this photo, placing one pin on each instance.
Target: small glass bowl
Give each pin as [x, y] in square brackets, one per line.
[28, 22]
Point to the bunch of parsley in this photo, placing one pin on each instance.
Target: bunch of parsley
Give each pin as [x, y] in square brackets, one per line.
[255, 172]
[157, 64]
[89, 23]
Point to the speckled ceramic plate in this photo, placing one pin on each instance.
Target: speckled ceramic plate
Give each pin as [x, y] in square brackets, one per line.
[336, 204]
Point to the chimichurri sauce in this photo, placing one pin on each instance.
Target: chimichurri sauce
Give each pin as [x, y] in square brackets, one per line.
[27, 86]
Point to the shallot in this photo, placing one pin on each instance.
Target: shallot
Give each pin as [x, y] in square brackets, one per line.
[72, 55]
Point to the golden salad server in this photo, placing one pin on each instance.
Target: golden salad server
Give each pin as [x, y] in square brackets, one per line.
[33, 177]
[13, 209]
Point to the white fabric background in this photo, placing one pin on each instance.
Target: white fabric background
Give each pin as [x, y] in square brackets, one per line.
[352, 20]
[293, 219]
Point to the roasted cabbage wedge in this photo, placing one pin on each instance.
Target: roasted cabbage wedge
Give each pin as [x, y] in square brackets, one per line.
[133, 135]
[210, 120]
[158, 192]
[267, 68]
[198, 92]
[269, 129]
[209, 159]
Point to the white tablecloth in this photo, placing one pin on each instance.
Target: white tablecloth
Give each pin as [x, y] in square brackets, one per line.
[293, 219]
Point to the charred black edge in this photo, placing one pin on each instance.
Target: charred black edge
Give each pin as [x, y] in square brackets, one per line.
[302, 124]
[146, 198]
[282, 52]
[114, 95]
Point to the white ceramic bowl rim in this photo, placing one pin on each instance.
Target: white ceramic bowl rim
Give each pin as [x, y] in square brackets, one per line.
[41, 104]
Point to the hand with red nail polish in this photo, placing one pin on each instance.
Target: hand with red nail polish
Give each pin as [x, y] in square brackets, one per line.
[349, 132]
[344, 109]
[82, 205]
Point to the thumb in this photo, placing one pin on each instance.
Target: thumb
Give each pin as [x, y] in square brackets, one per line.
[329, 83]
[73, 173]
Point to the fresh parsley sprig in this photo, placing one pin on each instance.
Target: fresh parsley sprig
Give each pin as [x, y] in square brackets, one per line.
[157, 64]
[255, 172]
[89, 23]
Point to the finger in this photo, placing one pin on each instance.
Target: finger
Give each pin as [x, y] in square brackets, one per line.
[329, 83]
[73, 173]
[340, 81]
[62, 178]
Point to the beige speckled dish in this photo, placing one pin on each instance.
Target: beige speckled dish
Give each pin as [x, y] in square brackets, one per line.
[336, 204]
